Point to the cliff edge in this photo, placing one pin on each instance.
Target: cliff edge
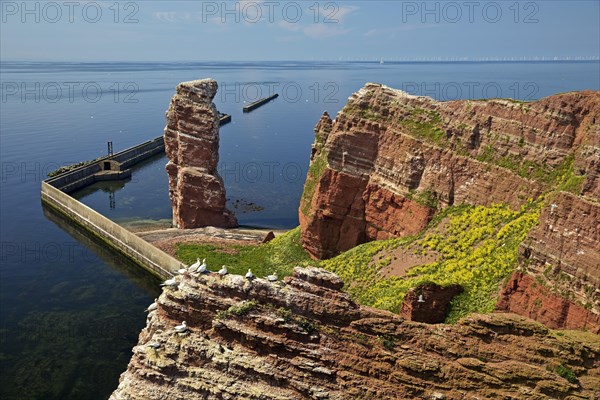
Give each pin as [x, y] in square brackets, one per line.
[390, 161]
[305, 339]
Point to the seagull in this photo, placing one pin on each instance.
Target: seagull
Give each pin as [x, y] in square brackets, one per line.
[194, 266]
[182, 271]
[249, 275]
[169, 282]
[273, 277]
[223, 271]
[152, 306]
[154, 345]
[181, 328]
[202, 268]
[421, 300]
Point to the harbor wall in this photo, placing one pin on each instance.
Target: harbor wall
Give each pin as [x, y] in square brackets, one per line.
[55, 194]
[85, 175]
[129, 244]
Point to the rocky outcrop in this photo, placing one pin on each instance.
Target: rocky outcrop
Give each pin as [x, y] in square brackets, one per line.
[305, 339]
[390, 160]
[192, 146]
[428, 303]
[524, 295]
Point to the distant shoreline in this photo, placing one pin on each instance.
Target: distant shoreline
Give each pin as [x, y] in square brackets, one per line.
[592, 59]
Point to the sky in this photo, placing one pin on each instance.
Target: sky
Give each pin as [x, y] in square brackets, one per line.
[253, 30]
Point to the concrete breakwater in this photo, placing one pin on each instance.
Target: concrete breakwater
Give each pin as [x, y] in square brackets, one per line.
[112, 167]
[54, 193]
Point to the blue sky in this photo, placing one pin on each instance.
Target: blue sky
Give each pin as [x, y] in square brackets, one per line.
[297, 30]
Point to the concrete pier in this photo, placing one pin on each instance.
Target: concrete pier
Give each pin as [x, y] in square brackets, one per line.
[113, 167]
[259, 103]
[55, 195]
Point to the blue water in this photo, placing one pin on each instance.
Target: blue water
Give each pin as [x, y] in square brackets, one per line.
[70, 310]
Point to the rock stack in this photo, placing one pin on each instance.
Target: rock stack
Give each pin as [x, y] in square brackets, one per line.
[192, 145]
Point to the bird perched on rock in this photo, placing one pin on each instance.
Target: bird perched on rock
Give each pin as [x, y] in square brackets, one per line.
[223, 271]
[152, 306]
[273, 277]
[181, 328]
[202, 268]
[154, 345]
[170, 283]
[182, 271]
[421, 299]
[249, 275]
[194, 266]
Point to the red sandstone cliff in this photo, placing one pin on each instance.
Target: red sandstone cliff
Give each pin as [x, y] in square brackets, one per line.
[390, 160]
[562, 258]
[305, 339]
[192, 146]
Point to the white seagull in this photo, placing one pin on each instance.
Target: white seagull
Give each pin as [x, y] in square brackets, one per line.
[154, 345]
[152, 306]
[223, 271]
[202, 268]
[421, 300]
[249, 275]
[169, 282]
[273, 277]
[182, 270]
[194, 266]
[181, 328]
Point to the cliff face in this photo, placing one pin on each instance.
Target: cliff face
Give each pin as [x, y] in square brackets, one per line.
[563, 253]
[390, 160]
[192, 146]
[305, 339]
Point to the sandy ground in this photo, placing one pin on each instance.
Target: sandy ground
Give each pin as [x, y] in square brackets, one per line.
[166, 238]
[403, 259]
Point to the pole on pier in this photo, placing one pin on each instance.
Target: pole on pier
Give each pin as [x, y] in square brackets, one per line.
[111, 200]
[110, 148]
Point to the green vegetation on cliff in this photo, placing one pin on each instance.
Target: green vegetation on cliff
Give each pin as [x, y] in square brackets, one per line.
[474, 246]
[280, 255]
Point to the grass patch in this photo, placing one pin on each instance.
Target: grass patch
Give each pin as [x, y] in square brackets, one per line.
[316, 169]
[425, 198]
[238, 310]
[425, 124]
[567, 373]
[280, 255]
[562, 176]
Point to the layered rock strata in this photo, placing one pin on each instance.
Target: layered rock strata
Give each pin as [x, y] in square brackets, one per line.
[305, 339]
[390, 160]
[560, 285]
[192, 145]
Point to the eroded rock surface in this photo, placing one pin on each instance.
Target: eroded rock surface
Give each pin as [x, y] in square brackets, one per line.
[192, 146]
[305, 339]
[560, 282]
[390, 160]
[524, 295]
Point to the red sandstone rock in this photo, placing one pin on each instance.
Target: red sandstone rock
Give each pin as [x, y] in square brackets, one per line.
[390, 158]
[270, 236]
[428, 303]
[563, 251]
[304, 339]
[192, 146]
[524, 295]
[390, 161]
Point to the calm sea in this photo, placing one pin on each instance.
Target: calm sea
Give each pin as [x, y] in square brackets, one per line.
[70, 309]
